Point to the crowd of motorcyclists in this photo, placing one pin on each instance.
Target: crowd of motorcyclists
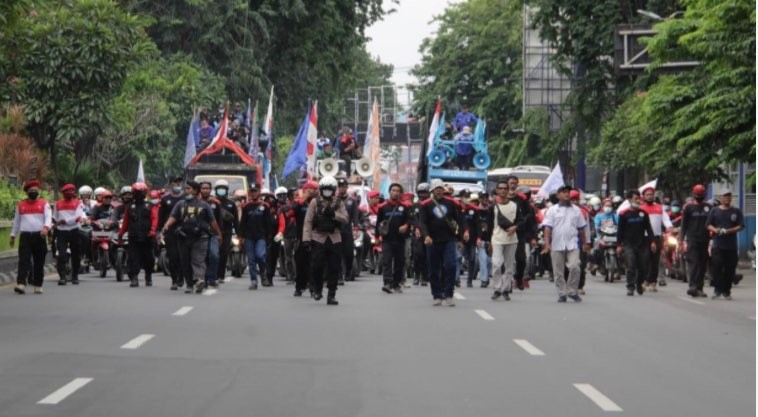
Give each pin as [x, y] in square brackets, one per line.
[321, 234]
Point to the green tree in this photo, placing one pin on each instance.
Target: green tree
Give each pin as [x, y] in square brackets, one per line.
[73, 59]
[475, 59]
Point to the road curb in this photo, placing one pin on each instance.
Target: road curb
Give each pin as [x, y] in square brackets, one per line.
[10, 277]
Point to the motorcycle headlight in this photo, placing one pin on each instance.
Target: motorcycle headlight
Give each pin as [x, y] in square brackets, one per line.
[671, 241]
[235, 241]
[373, 241]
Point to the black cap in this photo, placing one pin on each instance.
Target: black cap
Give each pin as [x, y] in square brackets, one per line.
[254, 186]
[564, 188]
[177, 178]
[341, 182]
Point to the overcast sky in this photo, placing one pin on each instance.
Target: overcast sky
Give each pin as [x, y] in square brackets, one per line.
[396, 39]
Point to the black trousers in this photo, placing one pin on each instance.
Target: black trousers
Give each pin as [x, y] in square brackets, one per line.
[655, 261]
[348, 253]
[419, 260]
[140, 256]
[272, 255]
[583, 257]
[326, 260]
[518, 275]
[393, 262]
[636, 263]
[697, 261]
[32, 250]
[174, 262]
[302, 267]
[68, 240]
[723, 269]
[223, 253]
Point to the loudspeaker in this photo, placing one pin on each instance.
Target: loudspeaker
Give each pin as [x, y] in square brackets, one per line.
[482, 161]
[328, 167]
[437, 158]
[365, 167]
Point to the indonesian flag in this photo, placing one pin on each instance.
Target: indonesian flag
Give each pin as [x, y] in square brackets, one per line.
[268, 124]
[433, 127]
[217, 143]
[312, 137]
[375, 148]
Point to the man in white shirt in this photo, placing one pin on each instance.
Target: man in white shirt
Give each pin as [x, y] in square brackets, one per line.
[504, 217]
[563, 233]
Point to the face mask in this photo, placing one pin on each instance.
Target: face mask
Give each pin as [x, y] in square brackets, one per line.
[154, 201]
[32, 195]
[675, 210]
[221, 192]
[177, 190]
[188, 197]
[327, 193]
[607, 210]
[634, 205]
[666, 208]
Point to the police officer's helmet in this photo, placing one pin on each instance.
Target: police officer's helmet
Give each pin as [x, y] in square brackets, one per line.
[327, 186]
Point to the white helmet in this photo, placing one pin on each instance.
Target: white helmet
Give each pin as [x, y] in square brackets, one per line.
[595, 202]
[125, 189]
[98, 191]
[265, 191]
[85, 189]
[221, 183]
[327, 182]
[280, 190]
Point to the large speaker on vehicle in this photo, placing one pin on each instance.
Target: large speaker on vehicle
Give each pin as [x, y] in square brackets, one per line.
[437, 158]
[482, 161]
[365, 167]
[328, 167]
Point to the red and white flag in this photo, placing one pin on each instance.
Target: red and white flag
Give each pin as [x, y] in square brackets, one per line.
[312, 138]
[433, 128]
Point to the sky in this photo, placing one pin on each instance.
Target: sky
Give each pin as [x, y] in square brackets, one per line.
[396, 39]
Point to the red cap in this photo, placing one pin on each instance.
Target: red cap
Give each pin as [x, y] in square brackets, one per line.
[68, 187]
[648, 188]
[139, 186]
[31, 183]
[574, 194]
[373, 193]
[310, 185]
[698, 190]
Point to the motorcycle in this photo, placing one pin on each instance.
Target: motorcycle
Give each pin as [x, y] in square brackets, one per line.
[119, 262]
[675, 265]
[162, 256]
[358, 236]
[237, 263]
[608, 242]
[102, 233]
[534, 264]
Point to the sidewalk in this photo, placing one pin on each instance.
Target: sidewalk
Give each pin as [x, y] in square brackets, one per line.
[9, 266]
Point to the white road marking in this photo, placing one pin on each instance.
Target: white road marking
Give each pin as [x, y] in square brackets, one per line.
[458, 296]
[689, 300]
[65, 391]
[210, 291]
[182, 311]
[138, 341]
[485, 315]
[529, 348]
[598, 398]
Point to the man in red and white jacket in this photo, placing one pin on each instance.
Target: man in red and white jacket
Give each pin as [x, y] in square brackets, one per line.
[658, 219]
[32, 221]
[68, 215]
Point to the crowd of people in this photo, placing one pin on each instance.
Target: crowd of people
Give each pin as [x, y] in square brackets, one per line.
[434, 237]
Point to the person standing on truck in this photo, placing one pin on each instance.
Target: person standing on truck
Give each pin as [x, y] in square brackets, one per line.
[195, 225]
[229, 225]
[167, 204]
[254, 227]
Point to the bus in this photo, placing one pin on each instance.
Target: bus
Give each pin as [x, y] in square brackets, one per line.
[530, 175]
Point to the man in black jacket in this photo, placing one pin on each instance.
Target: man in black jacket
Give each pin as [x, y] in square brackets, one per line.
[635, 235]
[392, 223]
[254, 227]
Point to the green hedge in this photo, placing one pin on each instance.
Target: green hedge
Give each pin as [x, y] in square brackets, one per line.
[9, 197]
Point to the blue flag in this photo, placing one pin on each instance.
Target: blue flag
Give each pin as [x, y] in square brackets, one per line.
[297, 157]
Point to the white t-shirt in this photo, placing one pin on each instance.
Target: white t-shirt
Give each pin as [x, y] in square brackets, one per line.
[500, 236]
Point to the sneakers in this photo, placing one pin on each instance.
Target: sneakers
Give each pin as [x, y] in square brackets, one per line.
[332, 301]
[496, 295]
[254, 286]
[630, 293]
[716, 296]
[267, 283]
[661, 283]
[437, 302]
[387, 289]
[562, 299]
[424, 283]
[700, 293]
[507, 296]
[133, 283]
[469, 284]
[188, 290]
[653, 287]
[576, 298]
[727, 297]
[317, 296]
[61, 282]
[38, 290]
[640, 289]
[398, 289]
[149, 283]
[450, 302]
[484, 284]
[415, 282]
[199, 287]
[75, 282]
[213, 285]
[20, 289]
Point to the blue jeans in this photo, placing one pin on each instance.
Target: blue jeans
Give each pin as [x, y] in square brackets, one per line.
[469, 252]
[255, 250]
[440, 258]
[484, 262]
[458, 264]
[213, 257]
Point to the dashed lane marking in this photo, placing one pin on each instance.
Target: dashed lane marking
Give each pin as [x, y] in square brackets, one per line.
[138, 341]
[210, 291]
[65, 391]
[183, 311]
[528, 347]
[598, 398]
[485, 315]
[458, 296]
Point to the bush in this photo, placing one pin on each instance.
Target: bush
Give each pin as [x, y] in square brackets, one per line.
[9, 198]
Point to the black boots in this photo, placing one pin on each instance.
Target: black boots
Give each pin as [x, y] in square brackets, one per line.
[330, 298]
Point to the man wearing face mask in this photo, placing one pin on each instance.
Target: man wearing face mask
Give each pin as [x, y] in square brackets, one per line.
[694, 232]
[167, 204]
[636, 239]
[141, 222]
[68, 215]
[31, 222]
[658, 220]
[302, 251]
[229, 225]
[675, 214]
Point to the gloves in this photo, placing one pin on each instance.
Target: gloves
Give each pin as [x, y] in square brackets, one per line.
[278, 238]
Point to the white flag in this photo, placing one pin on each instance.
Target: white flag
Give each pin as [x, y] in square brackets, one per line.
[625, 205]
[140, 172]
[553, 181]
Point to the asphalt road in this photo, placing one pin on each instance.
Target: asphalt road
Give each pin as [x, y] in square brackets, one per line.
[103, 349]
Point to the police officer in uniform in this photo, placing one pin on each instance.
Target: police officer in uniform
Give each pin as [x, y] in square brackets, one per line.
[32, 221]
[141, 222]
[322, 237]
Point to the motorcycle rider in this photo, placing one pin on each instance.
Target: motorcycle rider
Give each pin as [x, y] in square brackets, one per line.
[392, 223]
[635, 235]
[348, 242]
[694, 232]
[322, 237]
[420, 271]
[658, 220]
[141, 222]
[616, 200]
[675, 214]
[229, 225]
[254, 227]
[98, 194]
[67, 216]
[85, 195]
[167, 204]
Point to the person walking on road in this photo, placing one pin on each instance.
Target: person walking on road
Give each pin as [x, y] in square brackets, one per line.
[564, 236]
[31, 223]
[724, 222]
[694, 232]
[68, 215]
[392, 223]
[438, 220]
[141, 222]
[173, 244]
[254, 227]
[637, 241]
[504, 216]
[658, 220]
